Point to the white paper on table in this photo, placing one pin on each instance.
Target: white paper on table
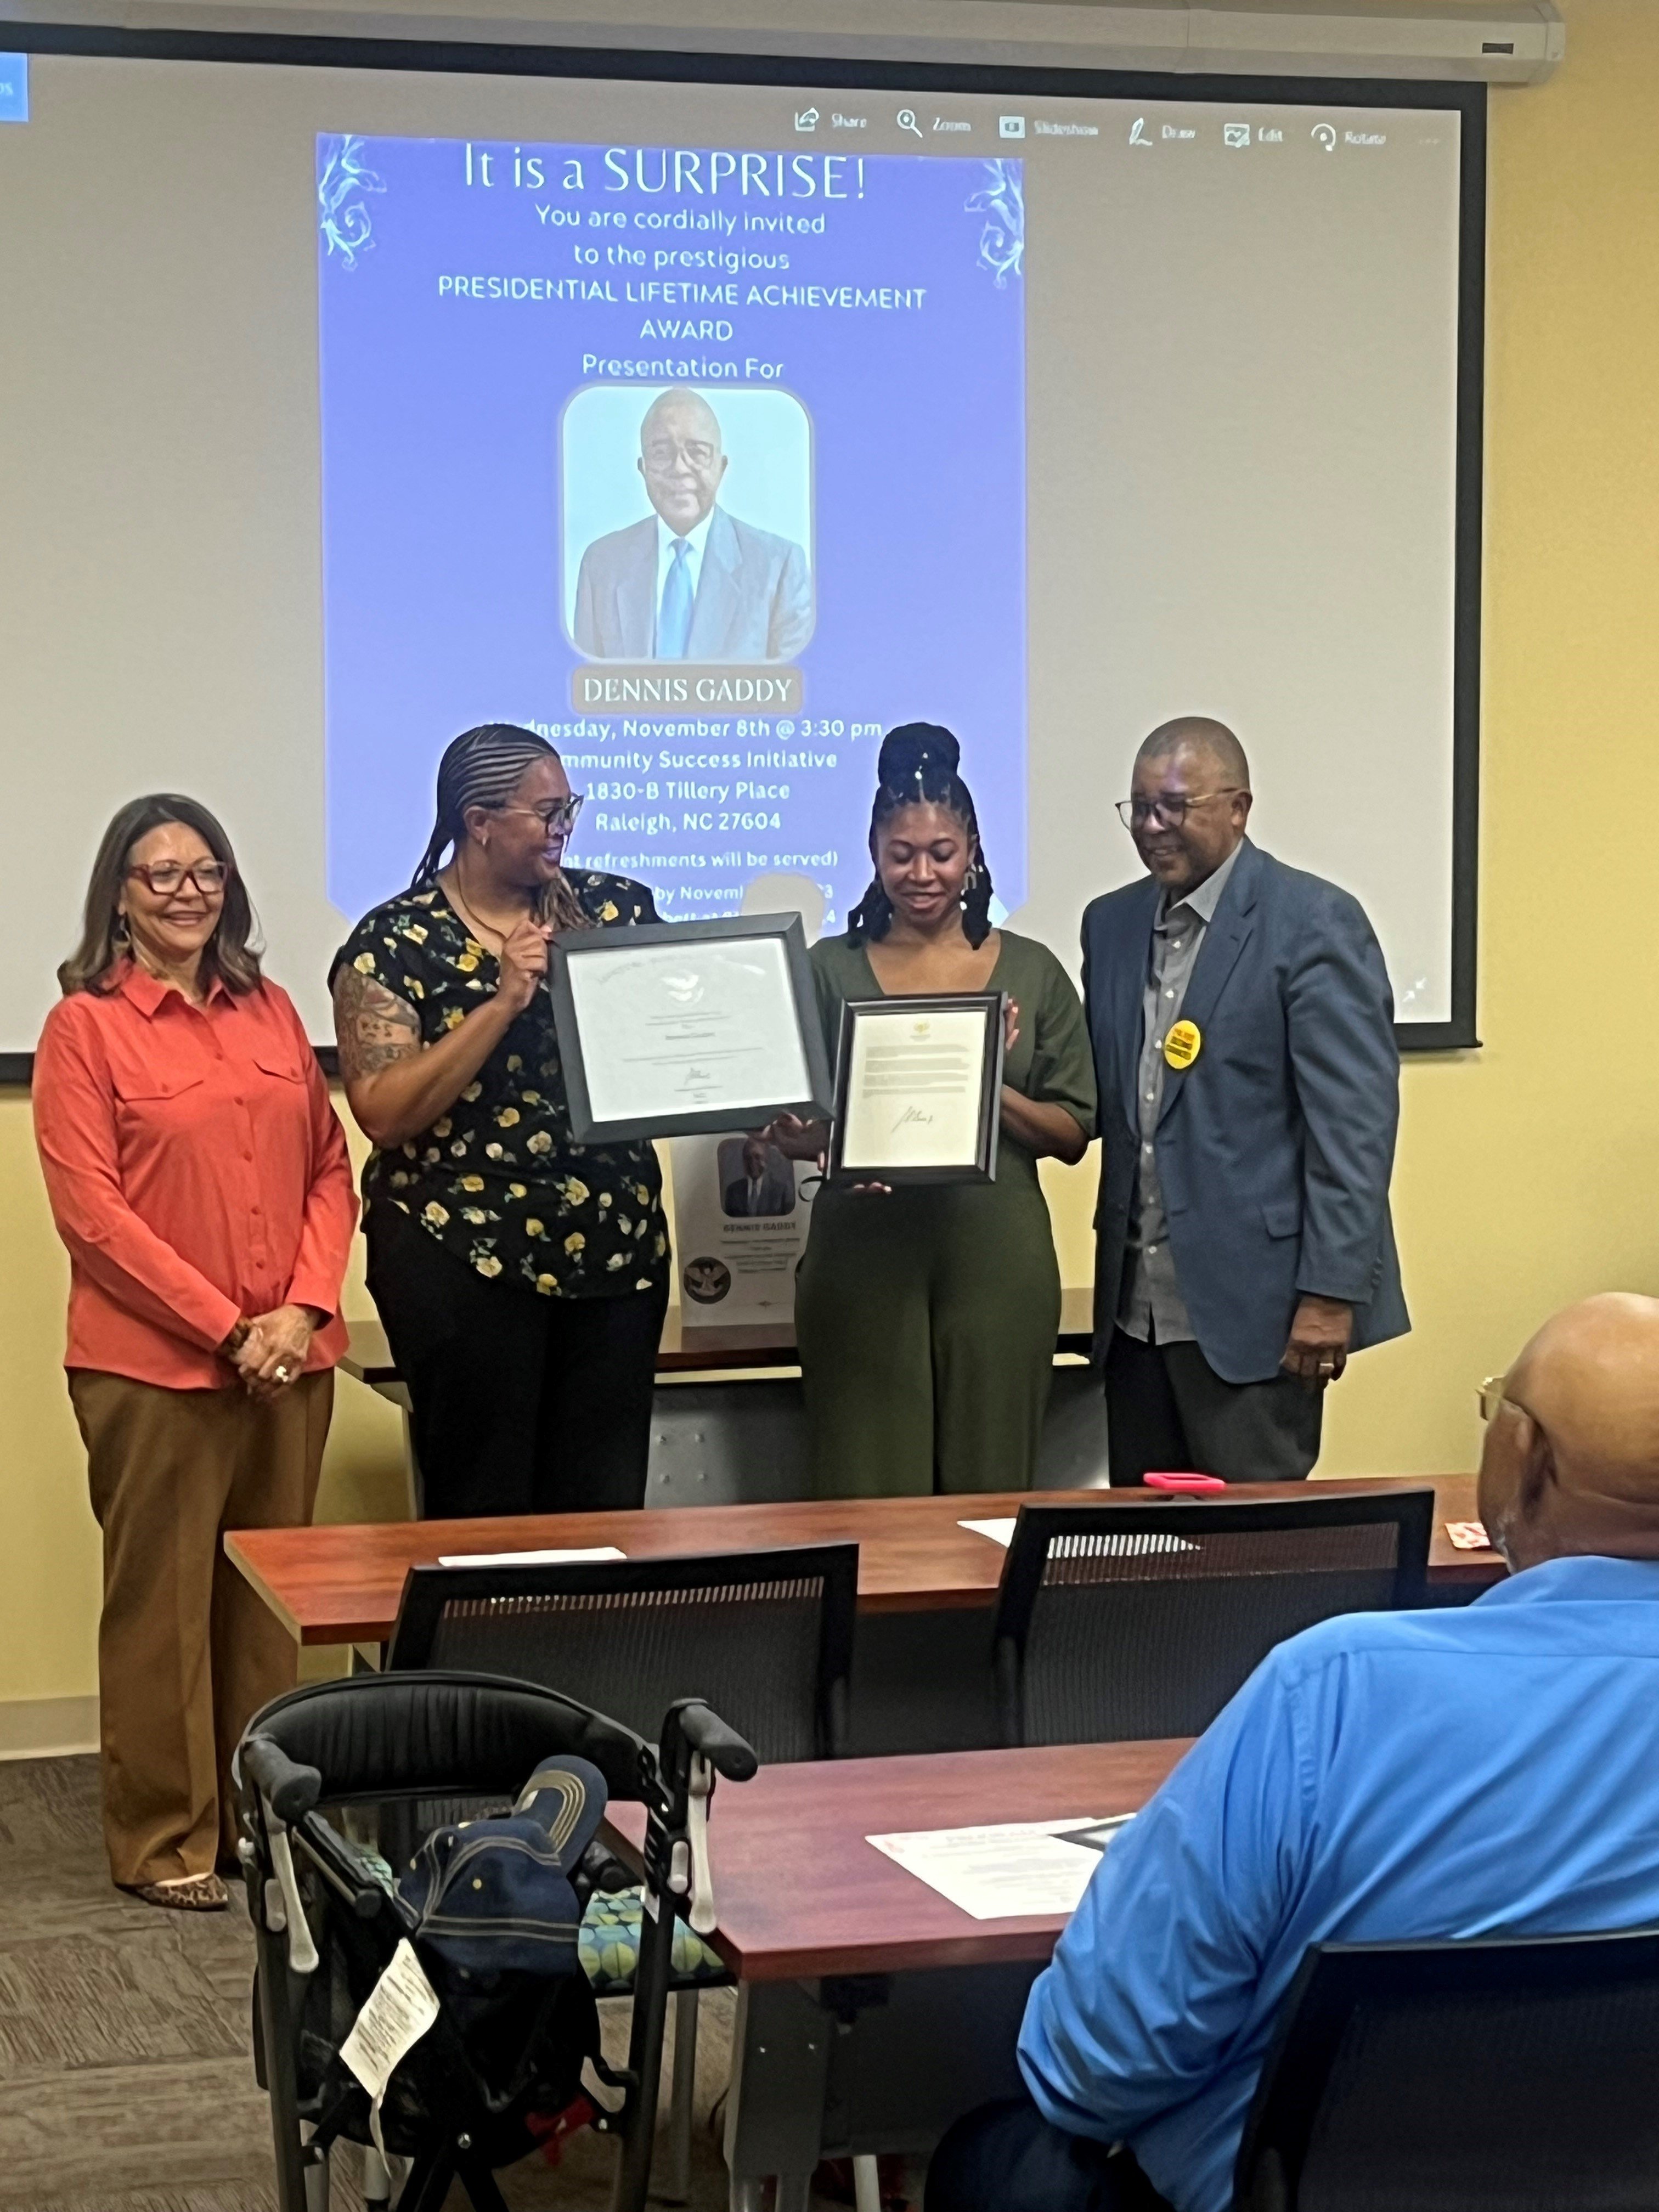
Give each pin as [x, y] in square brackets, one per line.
[1005, 1872]
[1000, 1531]
[401, 2007]
[1123, 1544]
[529, 1558]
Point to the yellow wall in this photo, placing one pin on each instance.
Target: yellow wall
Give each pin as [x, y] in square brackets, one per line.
[1525, 1170]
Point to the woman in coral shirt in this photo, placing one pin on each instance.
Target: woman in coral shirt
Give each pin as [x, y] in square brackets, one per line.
[198, 1175]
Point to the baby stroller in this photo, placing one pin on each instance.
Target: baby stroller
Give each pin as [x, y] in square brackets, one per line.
[501, 2063]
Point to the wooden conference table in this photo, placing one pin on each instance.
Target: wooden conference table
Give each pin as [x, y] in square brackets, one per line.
[872, 2011]
[341, 1583]
[922, 1677]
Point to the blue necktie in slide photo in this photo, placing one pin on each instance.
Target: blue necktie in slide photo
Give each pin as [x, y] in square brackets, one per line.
[674, 618]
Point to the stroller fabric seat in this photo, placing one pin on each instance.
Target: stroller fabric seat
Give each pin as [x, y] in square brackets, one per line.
[610, 1947]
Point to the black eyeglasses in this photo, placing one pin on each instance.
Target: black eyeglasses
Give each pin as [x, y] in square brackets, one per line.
[559, 815]
[1168, 809]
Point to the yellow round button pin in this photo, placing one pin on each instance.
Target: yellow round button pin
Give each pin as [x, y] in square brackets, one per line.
[1182, 1044]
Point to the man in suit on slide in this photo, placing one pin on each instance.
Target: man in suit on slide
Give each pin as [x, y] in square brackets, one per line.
[691, 582]
[1249, 1093]
[765, 1186]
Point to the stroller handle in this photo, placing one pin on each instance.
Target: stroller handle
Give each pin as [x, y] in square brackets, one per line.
[291, 1790]
[722, 1746]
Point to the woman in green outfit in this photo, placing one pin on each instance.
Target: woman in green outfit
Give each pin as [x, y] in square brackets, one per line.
[927, 1315]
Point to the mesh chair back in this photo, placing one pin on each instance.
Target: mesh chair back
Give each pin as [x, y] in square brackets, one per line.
[1123, 1621]
[1462, 2077]
[764, 1638]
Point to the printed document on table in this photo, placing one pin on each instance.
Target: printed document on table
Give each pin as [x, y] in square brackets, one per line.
[529, 1558]
[1000, 1531]
[1129, 1544]
[1018, 1869]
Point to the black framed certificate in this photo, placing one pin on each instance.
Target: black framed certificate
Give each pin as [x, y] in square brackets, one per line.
[918, 1089]
[676, 1029]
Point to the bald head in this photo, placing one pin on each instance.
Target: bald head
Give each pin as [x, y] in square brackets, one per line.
[681, 458]
[1189, 800]
[1209, 741]
[1572, 1458]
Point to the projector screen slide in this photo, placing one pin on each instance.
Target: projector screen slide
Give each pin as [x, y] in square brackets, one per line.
[865, 288]
[713, 428]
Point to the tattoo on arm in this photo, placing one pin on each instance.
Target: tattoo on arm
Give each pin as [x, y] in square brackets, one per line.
[372, 1026]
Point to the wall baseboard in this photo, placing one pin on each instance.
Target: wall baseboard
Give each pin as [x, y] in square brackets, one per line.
[48, 1727]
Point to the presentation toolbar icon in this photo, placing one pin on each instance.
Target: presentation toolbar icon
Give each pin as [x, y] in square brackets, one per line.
[1235, 134]
[806, 119]
[1324, 134]
[1011, 126]
[1138, 132]
[907, 120]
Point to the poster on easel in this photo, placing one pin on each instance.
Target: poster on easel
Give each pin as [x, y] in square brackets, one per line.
[741, 1215]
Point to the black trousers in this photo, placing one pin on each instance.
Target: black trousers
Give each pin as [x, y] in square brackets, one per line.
[521, 1404]
[1007, 2158]
[1169, 1412]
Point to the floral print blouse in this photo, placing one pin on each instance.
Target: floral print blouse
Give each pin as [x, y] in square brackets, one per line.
[496, 1180]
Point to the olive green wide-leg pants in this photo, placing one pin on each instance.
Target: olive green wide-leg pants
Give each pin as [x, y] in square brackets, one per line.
[927, 1321]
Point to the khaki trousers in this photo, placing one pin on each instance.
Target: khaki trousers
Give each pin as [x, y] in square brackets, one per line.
[187, 1654]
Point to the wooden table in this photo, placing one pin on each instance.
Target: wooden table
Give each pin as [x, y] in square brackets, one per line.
[871, 2012]
[341, 1583]
[846, 1908]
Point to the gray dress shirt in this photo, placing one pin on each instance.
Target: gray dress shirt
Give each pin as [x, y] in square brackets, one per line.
[1150, 1304]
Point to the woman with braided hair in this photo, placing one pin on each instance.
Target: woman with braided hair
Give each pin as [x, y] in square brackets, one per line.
[522, 1279]
[927, 1315]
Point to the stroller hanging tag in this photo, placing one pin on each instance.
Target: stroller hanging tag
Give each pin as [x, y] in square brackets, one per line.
[401, 2007]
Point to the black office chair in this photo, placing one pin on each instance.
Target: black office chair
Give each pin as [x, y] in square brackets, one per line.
[764, 1638]
[1481, 2076]
[1118, 1622]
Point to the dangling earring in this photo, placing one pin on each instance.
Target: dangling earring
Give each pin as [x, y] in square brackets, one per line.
[120, 934]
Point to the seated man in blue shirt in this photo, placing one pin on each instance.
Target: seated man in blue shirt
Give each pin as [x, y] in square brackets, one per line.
[1489, 1769]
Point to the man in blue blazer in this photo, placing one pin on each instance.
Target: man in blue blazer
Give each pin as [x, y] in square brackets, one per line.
[1249, 1093]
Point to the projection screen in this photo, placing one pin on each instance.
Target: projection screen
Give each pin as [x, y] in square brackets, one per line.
[1046, 407]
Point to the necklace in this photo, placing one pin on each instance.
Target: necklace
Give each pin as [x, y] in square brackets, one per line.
[479, 929]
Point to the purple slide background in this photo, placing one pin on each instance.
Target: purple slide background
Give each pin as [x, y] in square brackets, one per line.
[442, 527]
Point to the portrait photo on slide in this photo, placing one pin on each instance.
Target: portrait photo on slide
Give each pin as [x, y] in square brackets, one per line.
[686, 522]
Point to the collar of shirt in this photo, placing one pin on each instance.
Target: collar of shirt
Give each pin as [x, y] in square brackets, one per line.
[695, 540]
[1587, 1577]
[1204, 897]
[149, 993]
